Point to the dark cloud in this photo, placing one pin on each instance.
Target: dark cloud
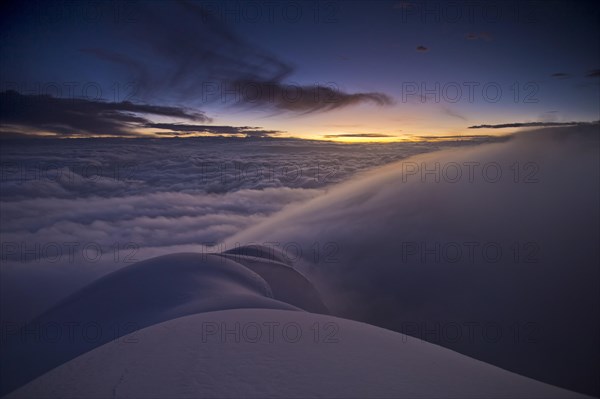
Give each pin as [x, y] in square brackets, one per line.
[261, 133]
[594, 73]
[302, 99]
[214, 129]
[358, 135]
[560, 75]
[72, 117]
[532, 124]
[210, 63]
[422, 49]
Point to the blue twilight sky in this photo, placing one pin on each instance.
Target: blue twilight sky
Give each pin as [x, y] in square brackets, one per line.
[352, 69]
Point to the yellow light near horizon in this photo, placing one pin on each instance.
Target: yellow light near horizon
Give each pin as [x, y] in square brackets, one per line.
[356, 140]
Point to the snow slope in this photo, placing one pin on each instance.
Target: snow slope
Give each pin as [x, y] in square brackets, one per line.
[144, 294]
[202, 355]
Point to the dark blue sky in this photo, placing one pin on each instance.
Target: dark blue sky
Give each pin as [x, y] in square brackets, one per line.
[308, 69]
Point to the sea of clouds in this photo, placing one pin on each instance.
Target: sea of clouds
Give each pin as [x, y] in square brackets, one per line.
[73, 210]
[488, 247]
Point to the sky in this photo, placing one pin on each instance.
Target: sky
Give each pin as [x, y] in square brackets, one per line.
[347, 135]
[352, 71]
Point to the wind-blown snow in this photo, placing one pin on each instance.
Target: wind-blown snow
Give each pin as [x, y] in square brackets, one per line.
[410, 252]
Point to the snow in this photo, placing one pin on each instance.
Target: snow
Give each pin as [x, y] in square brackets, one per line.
[134, 297]
[193, 356]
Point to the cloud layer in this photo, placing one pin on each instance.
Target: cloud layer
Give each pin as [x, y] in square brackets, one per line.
[464, 246]
[75, 117]
[532, 124]
[64, 200]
